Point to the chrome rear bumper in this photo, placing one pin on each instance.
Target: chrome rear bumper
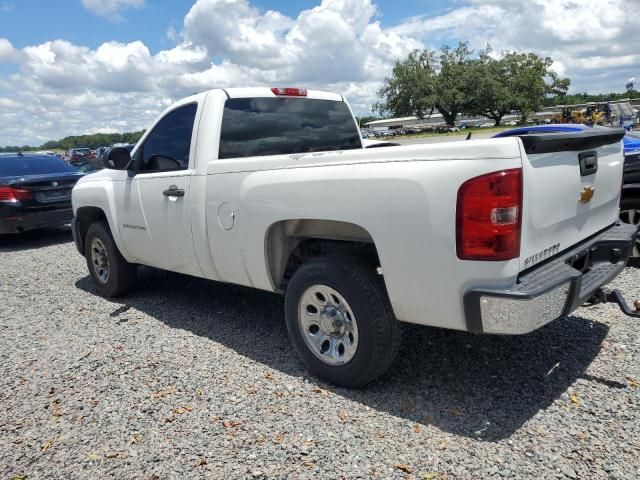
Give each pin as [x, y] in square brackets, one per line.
[553, 289]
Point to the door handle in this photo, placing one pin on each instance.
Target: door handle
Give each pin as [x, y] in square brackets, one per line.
[173, 191]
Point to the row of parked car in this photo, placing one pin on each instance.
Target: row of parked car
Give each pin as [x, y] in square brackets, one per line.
[85, 159]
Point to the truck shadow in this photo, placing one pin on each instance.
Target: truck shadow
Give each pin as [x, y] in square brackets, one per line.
[482, 387]
[44, 237]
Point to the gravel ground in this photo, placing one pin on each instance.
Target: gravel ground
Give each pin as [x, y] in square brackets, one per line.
[191, 379]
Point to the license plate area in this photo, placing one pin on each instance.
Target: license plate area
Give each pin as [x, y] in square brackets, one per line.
[54, 195]
[591, 258]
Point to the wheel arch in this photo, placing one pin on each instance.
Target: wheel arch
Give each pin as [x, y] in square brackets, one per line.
[288, 243]
[85, 216]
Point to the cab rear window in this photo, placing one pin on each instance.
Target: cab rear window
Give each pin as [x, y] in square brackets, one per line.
[279, 126]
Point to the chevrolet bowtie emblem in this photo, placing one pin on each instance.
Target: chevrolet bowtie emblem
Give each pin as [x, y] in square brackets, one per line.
[586, 194]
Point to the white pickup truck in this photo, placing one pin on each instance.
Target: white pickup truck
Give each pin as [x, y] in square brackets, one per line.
[273, 189]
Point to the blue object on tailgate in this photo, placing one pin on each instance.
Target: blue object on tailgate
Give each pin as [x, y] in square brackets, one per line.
[631, 142]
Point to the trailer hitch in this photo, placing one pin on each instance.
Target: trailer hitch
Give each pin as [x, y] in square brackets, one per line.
[615, 296]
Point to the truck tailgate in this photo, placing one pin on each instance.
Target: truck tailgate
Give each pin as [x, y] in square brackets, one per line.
[571, 189]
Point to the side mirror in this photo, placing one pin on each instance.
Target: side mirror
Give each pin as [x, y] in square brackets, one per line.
[117, 158]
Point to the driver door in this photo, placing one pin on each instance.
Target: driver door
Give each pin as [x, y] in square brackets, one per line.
[156, 225]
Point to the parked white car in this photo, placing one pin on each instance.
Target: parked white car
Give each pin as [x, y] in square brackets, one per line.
[273, 189]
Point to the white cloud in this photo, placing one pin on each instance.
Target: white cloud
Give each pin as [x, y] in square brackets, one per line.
[337, 45]
[58, 88]
[7, 103]
[172, 34]
[591, 41]
[338, 40]
[110, 8]
[7, 52]
[236, 30]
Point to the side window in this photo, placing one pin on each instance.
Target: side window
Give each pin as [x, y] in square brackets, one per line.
[167, 146]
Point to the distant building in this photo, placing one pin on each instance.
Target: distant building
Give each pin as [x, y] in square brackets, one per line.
[404, 122]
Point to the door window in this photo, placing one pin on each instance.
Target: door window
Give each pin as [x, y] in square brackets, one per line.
[167, 146]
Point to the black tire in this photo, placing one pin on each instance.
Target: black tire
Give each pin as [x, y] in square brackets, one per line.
[121, 274]
[632, 205]
[378, 329]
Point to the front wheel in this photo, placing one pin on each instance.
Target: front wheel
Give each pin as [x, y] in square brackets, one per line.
[340, 321]
[112, 274]
[630, 213]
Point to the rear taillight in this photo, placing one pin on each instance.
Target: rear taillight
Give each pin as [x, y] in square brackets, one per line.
[12, 194]
[489, 215]
[289, 92]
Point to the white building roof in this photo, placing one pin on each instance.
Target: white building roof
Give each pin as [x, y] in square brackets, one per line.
[386, 121]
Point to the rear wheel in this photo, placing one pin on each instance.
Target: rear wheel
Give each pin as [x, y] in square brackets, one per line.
[340, 321]
[112, 274]
[630, 213]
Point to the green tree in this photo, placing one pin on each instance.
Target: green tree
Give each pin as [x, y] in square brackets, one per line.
[530, 80]
[366, 119]
[454, 81]
[51, 145]
[427, 81]
[90, 141]
[493, 96]
[411, 88]
[99, 139]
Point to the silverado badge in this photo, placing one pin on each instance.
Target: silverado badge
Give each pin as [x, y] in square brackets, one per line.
[586, 194]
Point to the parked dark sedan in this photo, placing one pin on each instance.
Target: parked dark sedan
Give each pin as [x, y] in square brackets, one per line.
[35, 191]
